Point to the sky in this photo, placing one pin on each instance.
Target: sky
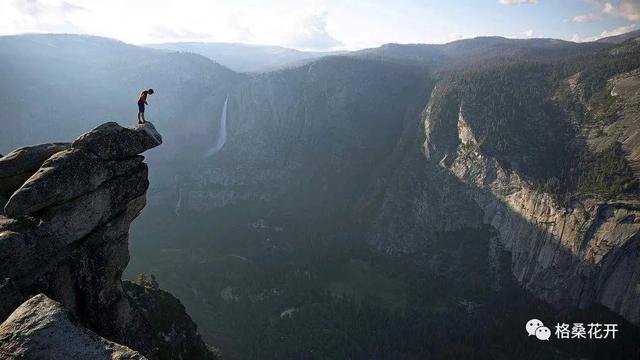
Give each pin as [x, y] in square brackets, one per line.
[322, 25]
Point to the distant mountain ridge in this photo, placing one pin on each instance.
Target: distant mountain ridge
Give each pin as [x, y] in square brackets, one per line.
[260, 58]
[479, 50]
[245, 57]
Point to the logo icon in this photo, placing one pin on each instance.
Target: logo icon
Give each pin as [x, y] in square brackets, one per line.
[543, 333]
[532, 325]
[536, 328]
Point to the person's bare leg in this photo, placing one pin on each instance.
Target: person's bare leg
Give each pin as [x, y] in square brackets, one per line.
[143, 120]
[139, 113]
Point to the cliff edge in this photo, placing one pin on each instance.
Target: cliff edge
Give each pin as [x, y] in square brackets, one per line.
[64, 235]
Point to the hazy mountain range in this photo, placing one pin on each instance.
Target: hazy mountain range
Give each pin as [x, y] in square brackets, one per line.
[246, 58]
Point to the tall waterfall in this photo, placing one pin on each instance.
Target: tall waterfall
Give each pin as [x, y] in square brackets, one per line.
[179, 203]
[221, 139]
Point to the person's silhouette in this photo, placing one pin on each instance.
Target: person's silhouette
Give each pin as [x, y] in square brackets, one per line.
[142, 101]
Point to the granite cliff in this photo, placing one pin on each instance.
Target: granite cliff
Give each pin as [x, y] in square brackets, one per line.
[64, 244]
[570, 223]
[569, 256]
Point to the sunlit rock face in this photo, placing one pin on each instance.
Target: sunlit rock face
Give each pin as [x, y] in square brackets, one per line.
[567, 254]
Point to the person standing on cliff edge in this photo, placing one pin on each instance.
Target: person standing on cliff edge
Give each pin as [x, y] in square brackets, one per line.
[142, 101]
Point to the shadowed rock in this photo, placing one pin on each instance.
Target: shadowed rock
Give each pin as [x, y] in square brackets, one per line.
[111, 141]
[41, 328]
[177, 339]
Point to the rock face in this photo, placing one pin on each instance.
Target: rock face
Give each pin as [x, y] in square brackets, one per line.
[625, 88]
[574, 255]
[42, 329]
[567, 256]
[65, 234]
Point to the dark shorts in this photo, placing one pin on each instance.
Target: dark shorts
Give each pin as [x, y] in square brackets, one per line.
[141, 107]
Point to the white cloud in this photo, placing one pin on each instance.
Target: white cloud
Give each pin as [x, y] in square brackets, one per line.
[628, 9]
[576, 38]
[587, 18]
[517, 2]
[310, 33]
[42, 16]
[617, 31]
[38, 8]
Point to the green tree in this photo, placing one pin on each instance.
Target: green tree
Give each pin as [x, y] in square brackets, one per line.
[144, 280]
